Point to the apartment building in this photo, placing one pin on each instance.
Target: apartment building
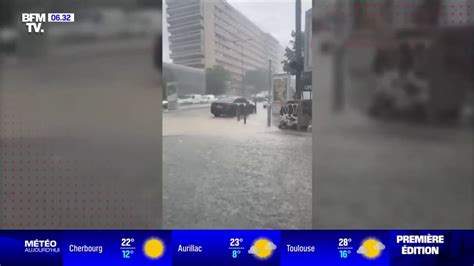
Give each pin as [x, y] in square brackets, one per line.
[204, 33]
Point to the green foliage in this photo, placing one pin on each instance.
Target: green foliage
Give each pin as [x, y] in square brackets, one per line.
[216, 78]
[290, 64]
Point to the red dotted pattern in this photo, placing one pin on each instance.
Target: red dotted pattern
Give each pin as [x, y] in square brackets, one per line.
[407, 15]
[43, 186]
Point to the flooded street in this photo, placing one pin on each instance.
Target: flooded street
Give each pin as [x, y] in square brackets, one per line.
[221, 173]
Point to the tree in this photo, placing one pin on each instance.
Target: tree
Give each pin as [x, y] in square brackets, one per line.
[258, 79]
[216, 78]
[290, 65]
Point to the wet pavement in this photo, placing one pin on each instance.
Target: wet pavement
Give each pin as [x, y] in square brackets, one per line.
[220, 173]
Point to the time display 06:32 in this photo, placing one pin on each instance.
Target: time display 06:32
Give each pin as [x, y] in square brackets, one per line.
[60, 17]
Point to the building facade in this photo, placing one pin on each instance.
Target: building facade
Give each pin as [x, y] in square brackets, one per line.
[204, 33]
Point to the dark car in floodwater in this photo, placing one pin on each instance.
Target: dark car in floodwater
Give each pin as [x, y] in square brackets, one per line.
[230, 106]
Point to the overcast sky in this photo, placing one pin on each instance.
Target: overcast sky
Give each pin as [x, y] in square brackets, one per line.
[276, 17]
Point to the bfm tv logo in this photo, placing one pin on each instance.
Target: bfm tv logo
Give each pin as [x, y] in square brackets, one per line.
[34, 22]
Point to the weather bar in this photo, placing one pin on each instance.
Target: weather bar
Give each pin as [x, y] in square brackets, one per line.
[237, 247]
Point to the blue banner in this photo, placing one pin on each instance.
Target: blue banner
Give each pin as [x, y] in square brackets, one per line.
[238, 247]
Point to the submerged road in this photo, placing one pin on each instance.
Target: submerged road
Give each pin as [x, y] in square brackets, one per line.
[220, 173]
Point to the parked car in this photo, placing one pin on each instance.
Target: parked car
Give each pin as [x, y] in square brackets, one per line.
[229, 106]
[190, 99]
[182, 101]
[208, 98]
[261, 96]
[222, 96]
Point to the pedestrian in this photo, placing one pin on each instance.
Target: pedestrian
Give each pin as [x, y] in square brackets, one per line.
[242, 109]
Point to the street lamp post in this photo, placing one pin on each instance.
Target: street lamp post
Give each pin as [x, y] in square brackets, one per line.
[270, 96]
[298, 81]
[243, 70]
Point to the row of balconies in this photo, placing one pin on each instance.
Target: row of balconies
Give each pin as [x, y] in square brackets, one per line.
[249, 53]
[181, 3]
[178, 9]
[172, 14]
[236, 18]
[253, 62]
[187, 28]
[253, 49]
[186, 62]
[189, 57]
[236, 66]
[178, 20]
[178, 48]
[186, 37]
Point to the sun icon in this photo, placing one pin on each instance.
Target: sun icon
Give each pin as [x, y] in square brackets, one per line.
[154, 248]
[262, 248]
[371, 248]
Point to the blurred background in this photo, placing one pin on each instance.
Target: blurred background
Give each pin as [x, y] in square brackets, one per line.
[80, 121]
[393, 124]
